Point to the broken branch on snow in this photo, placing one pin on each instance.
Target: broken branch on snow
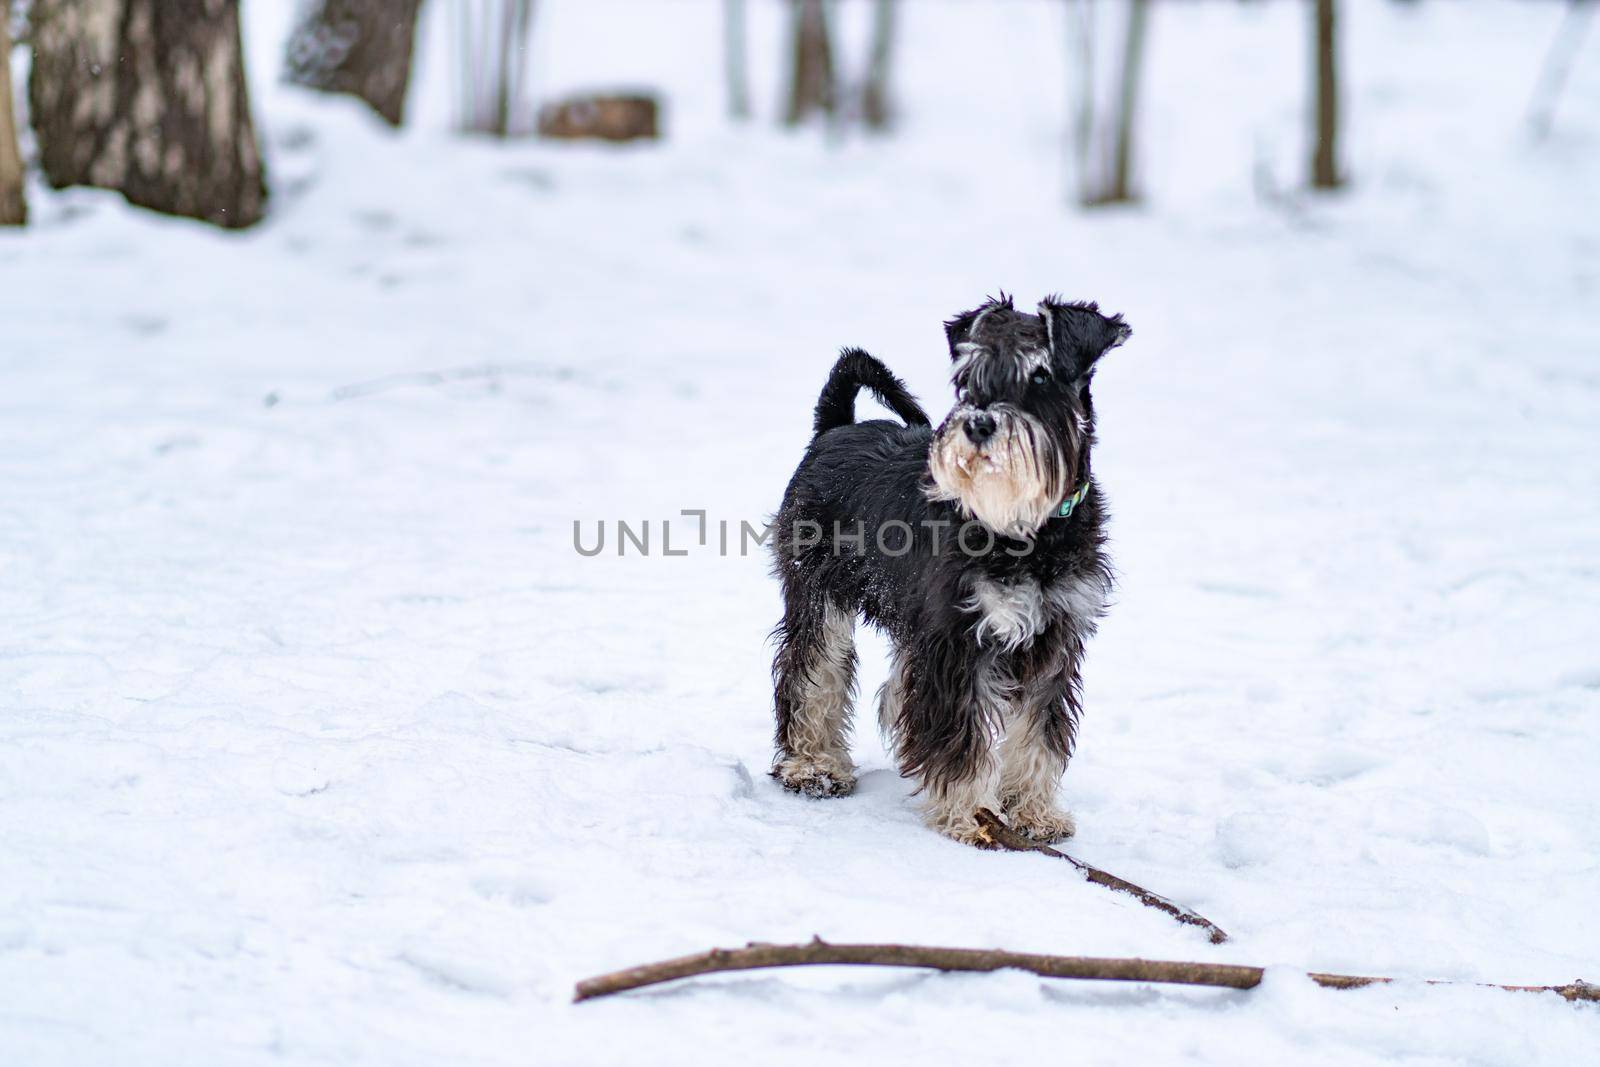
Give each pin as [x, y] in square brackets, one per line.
[1007, 838]
[756, 956]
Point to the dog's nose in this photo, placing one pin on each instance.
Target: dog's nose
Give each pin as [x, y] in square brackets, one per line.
[979, 427]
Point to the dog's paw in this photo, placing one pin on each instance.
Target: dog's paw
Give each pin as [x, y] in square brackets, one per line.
[1042, 823]
[815, 777]
[969, 834]
[959, 824]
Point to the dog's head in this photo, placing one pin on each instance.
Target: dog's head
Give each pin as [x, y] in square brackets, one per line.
[1012, 449]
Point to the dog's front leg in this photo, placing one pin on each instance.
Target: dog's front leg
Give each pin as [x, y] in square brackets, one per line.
[1039, 738]
[948, 716]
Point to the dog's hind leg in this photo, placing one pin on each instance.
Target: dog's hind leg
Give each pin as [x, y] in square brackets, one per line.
[892, 696]
[814, 680]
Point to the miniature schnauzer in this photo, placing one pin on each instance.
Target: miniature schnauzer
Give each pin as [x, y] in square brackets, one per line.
[977, 547]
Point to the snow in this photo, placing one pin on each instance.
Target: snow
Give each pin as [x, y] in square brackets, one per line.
[320, 743]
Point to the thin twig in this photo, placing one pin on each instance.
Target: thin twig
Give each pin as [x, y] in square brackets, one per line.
[817, 952]
[1557, 65]
[1007, 838]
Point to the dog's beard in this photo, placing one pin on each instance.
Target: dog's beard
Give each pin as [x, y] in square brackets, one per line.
[1012, 483]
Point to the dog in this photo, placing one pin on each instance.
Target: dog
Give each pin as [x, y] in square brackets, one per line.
[977, 547]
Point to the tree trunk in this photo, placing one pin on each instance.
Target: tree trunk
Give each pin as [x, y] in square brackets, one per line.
[1103, 138]
[13, 205]
[734, 51]
[1128, 103]
[812, 86]
[359, 47]
[877, 110]
[147, 97]
[1325, 156]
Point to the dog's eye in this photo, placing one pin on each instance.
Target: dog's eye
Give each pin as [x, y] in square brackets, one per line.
[1040, 376]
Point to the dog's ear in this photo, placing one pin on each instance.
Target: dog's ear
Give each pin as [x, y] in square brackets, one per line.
[959, 329]
[1079, 334]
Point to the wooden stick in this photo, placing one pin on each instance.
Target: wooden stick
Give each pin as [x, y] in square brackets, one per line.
[818, 952]
[1007, 838]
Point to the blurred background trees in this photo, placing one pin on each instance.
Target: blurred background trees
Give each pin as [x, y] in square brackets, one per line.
[815, 85]
[491, 55]
[149, 97]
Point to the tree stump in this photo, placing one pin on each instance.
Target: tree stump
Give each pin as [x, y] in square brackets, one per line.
[602, 116]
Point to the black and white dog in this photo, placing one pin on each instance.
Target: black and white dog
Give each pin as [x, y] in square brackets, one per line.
[977, 547]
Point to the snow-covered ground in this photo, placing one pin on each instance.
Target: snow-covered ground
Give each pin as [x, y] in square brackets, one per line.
[320, 743]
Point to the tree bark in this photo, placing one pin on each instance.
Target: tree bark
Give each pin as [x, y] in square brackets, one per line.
[877, 109]
[812, 86]
[13, 203]
[359, 47]
[735, 67]
[148, 97]
[1325, 156]
[818, 952]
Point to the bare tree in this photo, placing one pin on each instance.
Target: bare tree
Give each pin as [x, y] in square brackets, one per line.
[147, 97]
[359, 47]
[734, 51]
[877, 109]
[812, 84]
[492, 53]
[1104, 142]
[1325, 153]
[13, 204]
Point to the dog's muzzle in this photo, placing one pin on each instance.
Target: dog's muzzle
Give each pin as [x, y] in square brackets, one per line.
[1002, 467]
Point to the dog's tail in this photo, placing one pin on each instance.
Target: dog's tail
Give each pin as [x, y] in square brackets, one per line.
[855, 369]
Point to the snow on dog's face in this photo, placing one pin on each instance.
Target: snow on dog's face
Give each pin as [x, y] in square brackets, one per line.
[1012, 449]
